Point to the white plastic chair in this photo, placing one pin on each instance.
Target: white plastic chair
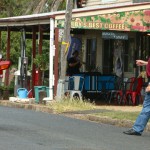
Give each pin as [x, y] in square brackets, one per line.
[75, 86]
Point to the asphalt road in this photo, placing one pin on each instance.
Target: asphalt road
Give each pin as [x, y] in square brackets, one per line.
[28, 130]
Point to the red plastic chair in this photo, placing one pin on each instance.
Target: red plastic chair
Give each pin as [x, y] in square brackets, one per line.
[134, 95]
[117, 87]
[125, 88]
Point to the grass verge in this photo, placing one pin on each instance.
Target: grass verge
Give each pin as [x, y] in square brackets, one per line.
[121, 115]
[71, 105]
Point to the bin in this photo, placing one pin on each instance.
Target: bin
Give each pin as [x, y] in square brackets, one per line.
[38, 90]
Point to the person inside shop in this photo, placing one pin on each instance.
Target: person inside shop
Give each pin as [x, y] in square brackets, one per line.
[79, 3]
[144, 116]
[74, 64]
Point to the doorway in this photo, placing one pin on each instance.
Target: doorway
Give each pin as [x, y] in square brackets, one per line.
[113, 60]
[119, 57]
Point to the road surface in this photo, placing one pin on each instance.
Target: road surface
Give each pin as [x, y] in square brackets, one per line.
[28, 130]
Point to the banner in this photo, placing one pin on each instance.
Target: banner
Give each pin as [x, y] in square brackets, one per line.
[120, 21]
[75, 45]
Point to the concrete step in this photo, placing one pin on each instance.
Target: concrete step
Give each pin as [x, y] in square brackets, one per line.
[22, 100]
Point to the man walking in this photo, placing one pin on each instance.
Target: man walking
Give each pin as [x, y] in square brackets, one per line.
[144, 116]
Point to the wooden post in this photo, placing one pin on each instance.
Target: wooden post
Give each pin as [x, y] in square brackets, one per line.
[33, 56]
[56, 60]
[0, 40]
[40, 51]
[7, 56]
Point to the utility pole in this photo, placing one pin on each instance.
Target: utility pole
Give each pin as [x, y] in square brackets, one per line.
[66, 38]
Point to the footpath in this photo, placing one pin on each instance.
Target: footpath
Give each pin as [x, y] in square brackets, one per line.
[84, 115]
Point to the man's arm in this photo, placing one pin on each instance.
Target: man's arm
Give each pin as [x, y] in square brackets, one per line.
[142, 63]
[73, 64]
[147, 88]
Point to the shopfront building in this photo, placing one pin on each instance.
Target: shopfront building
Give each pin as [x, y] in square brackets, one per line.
[112, 39]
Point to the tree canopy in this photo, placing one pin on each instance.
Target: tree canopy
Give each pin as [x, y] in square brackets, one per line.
[9, 8]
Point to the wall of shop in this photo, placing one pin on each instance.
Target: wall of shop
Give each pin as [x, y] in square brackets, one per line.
[129, 55]
[93, 34]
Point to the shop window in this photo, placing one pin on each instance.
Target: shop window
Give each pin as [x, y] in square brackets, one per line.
[79, 3]
[91, 54]
[129, 60]
[145, 47]
[118, 56]
[107, 67]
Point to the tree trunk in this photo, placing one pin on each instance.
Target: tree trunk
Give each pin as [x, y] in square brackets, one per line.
[32, 6]
[66, 38]
[40, 7]
[55, 5]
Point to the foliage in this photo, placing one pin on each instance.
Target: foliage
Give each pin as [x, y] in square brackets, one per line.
[15, 51]
[15, 47]
[62, 6]
[10, 8]
[9, 87]
[13, 7]
[6, 91]
[41, 61]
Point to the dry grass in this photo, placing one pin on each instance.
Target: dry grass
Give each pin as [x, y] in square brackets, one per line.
[113, 112]
[66, 104]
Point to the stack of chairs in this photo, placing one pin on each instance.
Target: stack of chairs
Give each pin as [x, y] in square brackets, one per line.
[130, 92]
[117, 87]
[134, 96]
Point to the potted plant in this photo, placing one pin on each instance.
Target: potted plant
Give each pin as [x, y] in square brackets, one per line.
[42, 62]
[6, 91]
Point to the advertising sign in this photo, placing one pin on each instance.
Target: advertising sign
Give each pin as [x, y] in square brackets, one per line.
[114, 35]
[139, 1]
[120, 21]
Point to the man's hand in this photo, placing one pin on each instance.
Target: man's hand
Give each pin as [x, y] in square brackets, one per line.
[147, 88]
[141, 62]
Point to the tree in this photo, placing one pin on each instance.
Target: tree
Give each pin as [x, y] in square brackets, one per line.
[10, 8]
[56, 4]
[66, 38]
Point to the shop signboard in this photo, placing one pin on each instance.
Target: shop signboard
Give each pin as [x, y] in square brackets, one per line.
[120, 21]
[114, 35]
[140, 1]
